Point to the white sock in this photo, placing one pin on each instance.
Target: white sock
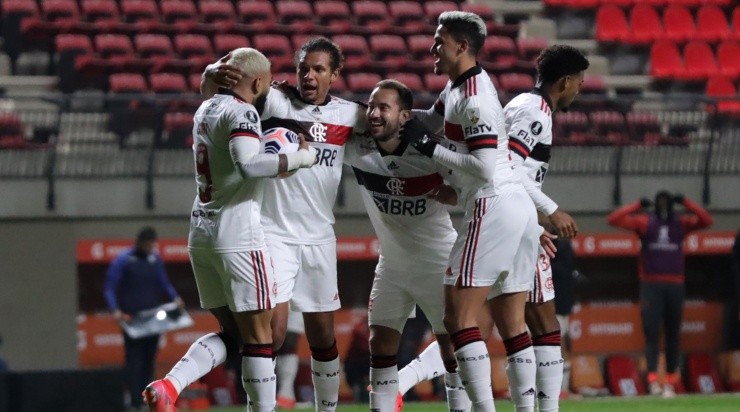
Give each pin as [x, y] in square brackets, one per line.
[457, 398]
[384, 383]
[521, 369]
[549, 377]
[325, 384]
[287, 369]
[565, 386]
[258, 379]
[428, 365]
[203, 355]
[474, 367]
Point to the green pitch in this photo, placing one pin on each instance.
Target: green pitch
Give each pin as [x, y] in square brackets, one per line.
[686, 403]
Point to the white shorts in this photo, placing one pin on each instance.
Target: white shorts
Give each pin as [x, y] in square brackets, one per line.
[295, 322]
[240, 280]
[394, 297]
[543, 289]
[498, 247]
[306, 275]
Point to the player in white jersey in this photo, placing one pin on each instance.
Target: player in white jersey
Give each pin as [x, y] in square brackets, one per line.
[298, 218]
[400, 188]
[496, 249]
[529, 127]
[226, 244]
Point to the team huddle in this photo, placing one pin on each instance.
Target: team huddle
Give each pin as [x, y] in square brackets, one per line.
[261, 231]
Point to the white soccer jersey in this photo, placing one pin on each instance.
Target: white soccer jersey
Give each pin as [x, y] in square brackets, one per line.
[473, 118]
[226, 212]
[415, 232]
[298, 209]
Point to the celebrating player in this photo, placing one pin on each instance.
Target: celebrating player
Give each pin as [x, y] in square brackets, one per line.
[297, 213]
[226, 242]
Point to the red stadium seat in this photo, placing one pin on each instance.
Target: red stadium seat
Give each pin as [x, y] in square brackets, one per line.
[218, 16]
[142, 15]
[153, 45]
[420, 45]
[433, 9]
[515, 83]
[339, 85]
[178, 129]
[127, 83]
[28, 9]
[620, 3]
[611, 24]
[334, 16]
[728, 56]
[390, 49]
[736, 23]
[12, 135]
[298, 40]
[622, 376]
[362, 82]
[102, 14]
[258, 15]
[593, 84]
[643, 127]
[372, 15]
[117, 47]
[277, 48]
[701, 374]
[484, 11]
[194, 82]
[666, 61]
[193, 45]
[435, 83]
[224, 43]
[408, 16]
[411, 80]
[646, 25]
[679, 23]
[530, 47]
[298, 14]
[722, 89]
[571, 128]
[74, 43]
[180, 15]
[699, 60]
[168, 83]
[499, 52]
[356, 51]
[712, 24]
[608, 128]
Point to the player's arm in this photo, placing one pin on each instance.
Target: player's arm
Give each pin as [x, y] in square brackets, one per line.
[699, 217]
[628, 217]
[219, 74]
[434, 117]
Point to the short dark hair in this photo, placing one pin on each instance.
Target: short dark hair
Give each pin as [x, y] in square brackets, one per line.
[322, 44]
[466, 26]
[405, 97]
[146, 234]
[558, 61]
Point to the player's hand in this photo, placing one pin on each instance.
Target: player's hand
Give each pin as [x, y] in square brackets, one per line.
[645, 203]
[120, 316]
[678, 198]
[222, 74]
[415, 133]
[310, 154]
[546, 241]
[284, 87]
[444, 194]
[564, 224]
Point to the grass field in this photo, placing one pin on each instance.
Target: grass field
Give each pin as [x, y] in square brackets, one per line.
[686, 403]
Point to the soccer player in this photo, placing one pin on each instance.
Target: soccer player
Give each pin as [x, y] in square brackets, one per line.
[496, 249]
[400, 189]
[528, 118]
[226, 241]
[297, 214]
[661, 270]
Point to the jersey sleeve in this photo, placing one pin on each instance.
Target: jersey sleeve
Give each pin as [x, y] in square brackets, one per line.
[245, 133]
[526, 127]
[434, 117]
[479, 119]
[242, 121]
[276, 105]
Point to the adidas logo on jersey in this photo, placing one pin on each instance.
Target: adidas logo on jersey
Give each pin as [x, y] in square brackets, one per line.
[316, 110]
[392, 166]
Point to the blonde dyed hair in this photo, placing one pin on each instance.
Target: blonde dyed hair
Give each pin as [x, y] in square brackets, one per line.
[250, 61]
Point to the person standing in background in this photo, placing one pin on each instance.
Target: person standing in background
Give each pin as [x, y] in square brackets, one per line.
[564, 276]
[661, 270]
[136, 281]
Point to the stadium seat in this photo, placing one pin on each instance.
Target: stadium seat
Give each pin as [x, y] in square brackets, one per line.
[499, 53]
[666, 61]
[103, 15]
[411, 80]
[699, 60]
[217, 16]
[193, 46]
[140, 15]
[712, 24]
[372, 16]
[194, 82]
[117, 48]
[259, 16]
[408, 17]
[62, 15]
[611, 24]
[224, 43]
[73, 43]
[646, 25]
[593, 84]
[178, 129]
[679, 23]
[723, 90]
[622, 376]
[530, 47]
[390, 49]
[127, 83]
[297, 14]
[643, 128]
[339, 86]
[298, 40]
[422, 60]
[11, 132]
[435, 83]
[620, 3]
[701, 374]
[728, 57]
[362, 82]
[333, 16]
[433, 9]
[585, 371]
[167, 83]
[608, 128]
[515, 83]
[484, 11]
[736, 23]
[356, 51]
[152, 45]
[277, 48]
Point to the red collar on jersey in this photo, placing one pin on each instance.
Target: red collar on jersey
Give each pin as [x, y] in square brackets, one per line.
[539, 92]
[473, 71]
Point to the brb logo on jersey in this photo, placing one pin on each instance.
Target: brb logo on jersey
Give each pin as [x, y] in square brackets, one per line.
[318, 132]
[395, 186]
